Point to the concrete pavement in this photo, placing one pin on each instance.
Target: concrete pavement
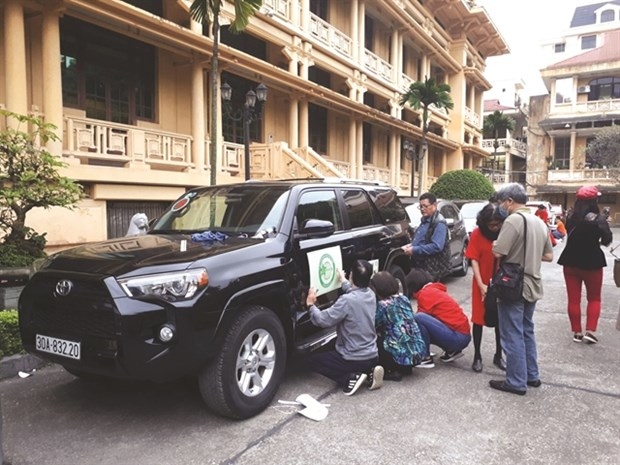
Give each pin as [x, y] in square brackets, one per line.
[445, 415]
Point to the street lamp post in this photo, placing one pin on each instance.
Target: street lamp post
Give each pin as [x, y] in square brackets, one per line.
[246, 115]
[409, 152]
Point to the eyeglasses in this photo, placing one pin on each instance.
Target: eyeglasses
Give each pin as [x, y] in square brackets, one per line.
[424, 207]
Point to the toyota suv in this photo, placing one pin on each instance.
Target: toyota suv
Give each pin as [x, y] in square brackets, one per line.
[216, 289]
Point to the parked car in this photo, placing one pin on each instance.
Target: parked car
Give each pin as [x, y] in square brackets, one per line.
[456, 228]
[469, 211]
[216, 289]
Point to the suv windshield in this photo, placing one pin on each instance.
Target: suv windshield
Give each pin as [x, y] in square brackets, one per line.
[248, 209]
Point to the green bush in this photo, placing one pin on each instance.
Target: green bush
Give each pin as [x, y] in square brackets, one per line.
[462, 185]
[10, 341]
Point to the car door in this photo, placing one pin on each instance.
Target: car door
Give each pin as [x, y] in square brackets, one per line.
[456, 230]
[318, 204]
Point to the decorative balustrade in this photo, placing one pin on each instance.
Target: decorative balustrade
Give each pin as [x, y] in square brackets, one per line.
[330, 36]
[602, 175]
[101, 142]
[378, 65]
[372, 173]
[281, 8]
[594, 106]
[504, 144]
[472, 117]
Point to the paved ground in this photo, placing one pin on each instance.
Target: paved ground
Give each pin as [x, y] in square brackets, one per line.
[446, 415]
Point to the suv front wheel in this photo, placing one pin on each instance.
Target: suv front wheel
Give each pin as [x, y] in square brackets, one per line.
[247, 370]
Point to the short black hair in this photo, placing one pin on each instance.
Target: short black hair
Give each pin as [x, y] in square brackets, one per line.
[417, 279]
[361, 271]
[384, 284]
[429, 196]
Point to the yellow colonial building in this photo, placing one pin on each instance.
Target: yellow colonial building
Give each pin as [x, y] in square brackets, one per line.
[127, 85]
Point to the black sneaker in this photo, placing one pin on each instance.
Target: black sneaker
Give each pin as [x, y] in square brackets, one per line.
[589, 338]
[393, 375]
[375, 378]
[354, 383]
[451, 356]
[577, 337]
[426, 362]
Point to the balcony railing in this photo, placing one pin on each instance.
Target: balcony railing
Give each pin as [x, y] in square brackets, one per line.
[595, 106]
[600, 175]
[472, 117]
[330, 36]
[113, 144]
[378, 65]
[504, 144]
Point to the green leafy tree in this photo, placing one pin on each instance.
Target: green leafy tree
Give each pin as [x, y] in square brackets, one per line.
[462, 185]
[421, 95]
[604, 150]
[29, 178]
[208, 12]
[494, 126]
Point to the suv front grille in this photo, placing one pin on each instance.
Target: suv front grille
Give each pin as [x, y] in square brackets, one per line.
[87, 311]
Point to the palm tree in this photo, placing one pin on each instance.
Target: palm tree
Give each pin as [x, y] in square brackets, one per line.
[495, 124]
[423, 94]
[208, 11]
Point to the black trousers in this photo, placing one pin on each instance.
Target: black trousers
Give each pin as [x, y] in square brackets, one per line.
[334, 366]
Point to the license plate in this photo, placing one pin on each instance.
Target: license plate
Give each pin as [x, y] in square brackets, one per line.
[52, 345]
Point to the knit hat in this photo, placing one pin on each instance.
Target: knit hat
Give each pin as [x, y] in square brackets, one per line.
[588, 192]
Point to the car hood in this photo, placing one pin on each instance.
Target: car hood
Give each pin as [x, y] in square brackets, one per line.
[121, 256]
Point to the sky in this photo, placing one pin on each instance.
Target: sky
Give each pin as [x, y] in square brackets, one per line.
[524, 25]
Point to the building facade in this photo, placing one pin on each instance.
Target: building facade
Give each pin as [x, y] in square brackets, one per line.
[583, 78]
[127, 85]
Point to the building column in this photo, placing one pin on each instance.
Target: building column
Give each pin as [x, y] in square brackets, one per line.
[359, 153]
[393, 159]
[198, 115]
[52, 91]
[352, 147]
[355, 47]
[395, 54]
[16, 91]
[293, 122]
[573, 140]
[361, 30]
[304, 140]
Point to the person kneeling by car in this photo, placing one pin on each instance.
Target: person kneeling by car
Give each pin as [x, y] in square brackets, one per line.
[354, 359]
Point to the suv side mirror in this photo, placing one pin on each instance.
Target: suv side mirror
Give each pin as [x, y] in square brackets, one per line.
[316, 228]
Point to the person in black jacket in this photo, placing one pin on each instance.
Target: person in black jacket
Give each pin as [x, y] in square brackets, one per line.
[583, 261]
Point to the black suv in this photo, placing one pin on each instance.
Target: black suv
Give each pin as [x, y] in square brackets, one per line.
[216, 289]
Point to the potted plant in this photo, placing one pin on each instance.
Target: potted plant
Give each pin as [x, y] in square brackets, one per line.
[29, 178]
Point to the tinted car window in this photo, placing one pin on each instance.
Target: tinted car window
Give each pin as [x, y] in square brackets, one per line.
[319, 205]
[360, 211]
[389, 205]
[449, 212]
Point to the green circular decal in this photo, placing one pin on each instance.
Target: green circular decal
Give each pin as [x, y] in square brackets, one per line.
[327, 270]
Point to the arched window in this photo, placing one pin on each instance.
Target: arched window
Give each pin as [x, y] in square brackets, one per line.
[604, 88]
[608, 16]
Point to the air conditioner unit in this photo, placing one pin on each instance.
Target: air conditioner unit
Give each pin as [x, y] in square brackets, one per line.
[583, 89]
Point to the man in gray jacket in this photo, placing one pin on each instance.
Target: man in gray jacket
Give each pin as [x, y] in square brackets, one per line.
[354, 358]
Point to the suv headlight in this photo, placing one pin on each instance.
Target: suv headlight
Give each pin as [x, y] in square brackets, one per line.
[175, 286]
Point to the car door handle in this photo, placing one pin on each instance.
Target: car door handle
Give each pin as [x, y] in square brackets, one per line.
[347, 248]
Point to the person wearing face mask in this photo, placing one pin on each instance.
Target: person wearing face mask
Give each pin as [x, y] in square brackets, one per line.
[479, 250]
[429, 250]
[516, 318]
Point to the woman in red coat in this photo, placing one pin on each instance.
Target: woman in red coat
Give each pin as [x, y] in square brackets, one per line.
[479, 251]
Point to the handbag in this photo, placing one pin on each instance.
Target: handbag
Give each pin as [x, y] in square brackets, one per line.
[508, 279]
[490, 307]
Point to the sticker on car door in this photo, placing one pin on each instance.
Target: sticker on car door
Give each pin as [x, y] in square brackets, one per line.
[324, 265]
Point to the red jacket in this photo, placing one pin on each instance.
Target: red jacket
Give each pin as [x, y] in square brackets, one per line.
[434, 300]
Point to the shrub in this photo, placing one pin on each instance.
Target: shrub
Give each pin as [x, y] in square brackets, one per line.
[10, 340]
[462, 185]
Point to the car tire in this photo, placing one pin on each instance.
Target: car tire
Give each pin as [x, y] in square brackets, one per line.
[247, 370]
[462, 269]
[399, 274]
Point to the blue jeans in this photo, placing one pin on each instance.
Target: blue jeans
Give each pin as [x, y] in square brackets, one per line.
[436, 332]
[516, 327]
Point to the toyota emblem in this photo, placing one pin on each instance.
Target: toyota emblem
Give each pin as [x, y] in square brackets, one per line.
[63, 287]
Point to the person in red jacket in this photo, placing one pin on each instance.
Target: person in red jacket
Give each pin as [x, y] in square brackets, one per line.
[441, 319]
[543, 214]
